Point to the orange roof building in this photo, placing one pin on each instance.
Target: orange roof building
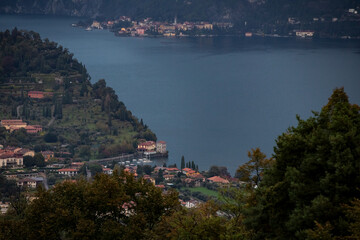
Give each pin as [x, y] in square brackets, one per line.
[33, 128]
[217, 179]
[13, 124]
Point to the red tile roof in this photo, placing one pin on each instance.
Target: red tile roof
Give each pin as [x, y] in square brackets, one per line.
[218, 179]
[12, 122]
[172, 169]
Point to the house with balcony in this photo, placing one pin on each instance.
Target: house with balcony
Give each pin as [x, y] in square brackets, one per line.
[30, 182]
[10, 159]
[147, 146]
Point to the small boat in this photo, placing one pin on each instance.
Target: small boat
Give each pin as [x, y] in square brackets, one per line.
[88, 29]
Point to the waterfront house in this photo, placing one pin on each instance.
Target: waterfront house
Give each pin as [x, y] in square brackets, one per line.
[147, 146]
[305, 34]
[169, 33]
[140, 31]
[161, 146]
[96, 24]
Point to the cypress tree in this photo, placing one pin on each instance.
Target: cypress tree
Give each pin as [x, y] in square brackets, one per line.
[182, 162]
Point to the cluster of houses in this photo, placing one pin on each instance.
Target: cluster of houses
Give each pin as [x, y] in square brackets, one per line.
[74, 169]
[187, 176]
[125, 26]
[16, 124]
[149, 27]
[12, 157]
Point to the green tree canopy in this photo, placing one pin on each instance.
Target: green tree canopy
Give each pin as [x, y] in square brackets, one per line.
[39, 160]
[109, 207]
[315, 173]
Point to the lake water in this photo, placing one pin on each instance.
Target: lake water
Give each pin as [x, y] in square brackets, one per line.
[210, 99]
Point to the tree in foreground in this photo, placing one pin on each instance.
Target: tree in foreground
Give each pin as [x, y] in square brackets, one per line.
[252, 172]
[316, 172]
[110, 207]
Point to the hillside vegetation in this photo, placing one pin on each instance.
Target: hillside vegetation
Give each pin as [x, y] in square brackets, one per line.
[308, 190]
[86, 119]
[194, 10]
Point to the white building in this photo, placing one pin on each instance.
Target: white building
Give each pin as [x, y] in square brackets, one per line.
[108, 171]
[161, 147]
[68, 171]
[30, 182]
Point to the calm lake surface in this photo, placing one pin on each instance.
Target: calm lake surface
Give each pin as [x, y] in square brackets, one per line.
[210, 99]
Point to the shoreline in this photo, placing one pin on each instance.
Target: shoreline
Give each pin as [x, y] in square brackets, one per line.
[241, 36]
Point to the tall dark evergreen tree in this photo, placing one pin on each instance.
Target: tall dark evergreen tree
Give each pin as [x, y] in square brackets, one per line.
[316, 172]
[182, 162]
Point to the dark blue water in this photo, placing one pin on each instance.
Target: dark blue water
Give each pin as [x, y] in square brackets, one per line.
[212, 100]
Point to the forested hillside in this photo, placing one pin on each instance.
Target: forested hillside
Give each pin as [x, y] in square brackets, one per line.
[214, 10]
[85, 119]
[24, 53]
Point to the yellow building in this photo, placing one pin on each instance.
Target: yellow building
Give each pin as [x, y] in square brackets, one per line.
[10, 160]
[13, 124]
[147, 146]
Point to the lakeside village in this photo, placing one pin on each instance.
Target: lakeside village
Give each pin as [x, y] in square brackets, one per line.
[125, 26]
[48, 168]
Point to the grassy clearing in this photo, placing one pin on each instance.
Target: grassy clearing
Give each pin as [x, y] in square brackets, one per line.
[203, 190]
